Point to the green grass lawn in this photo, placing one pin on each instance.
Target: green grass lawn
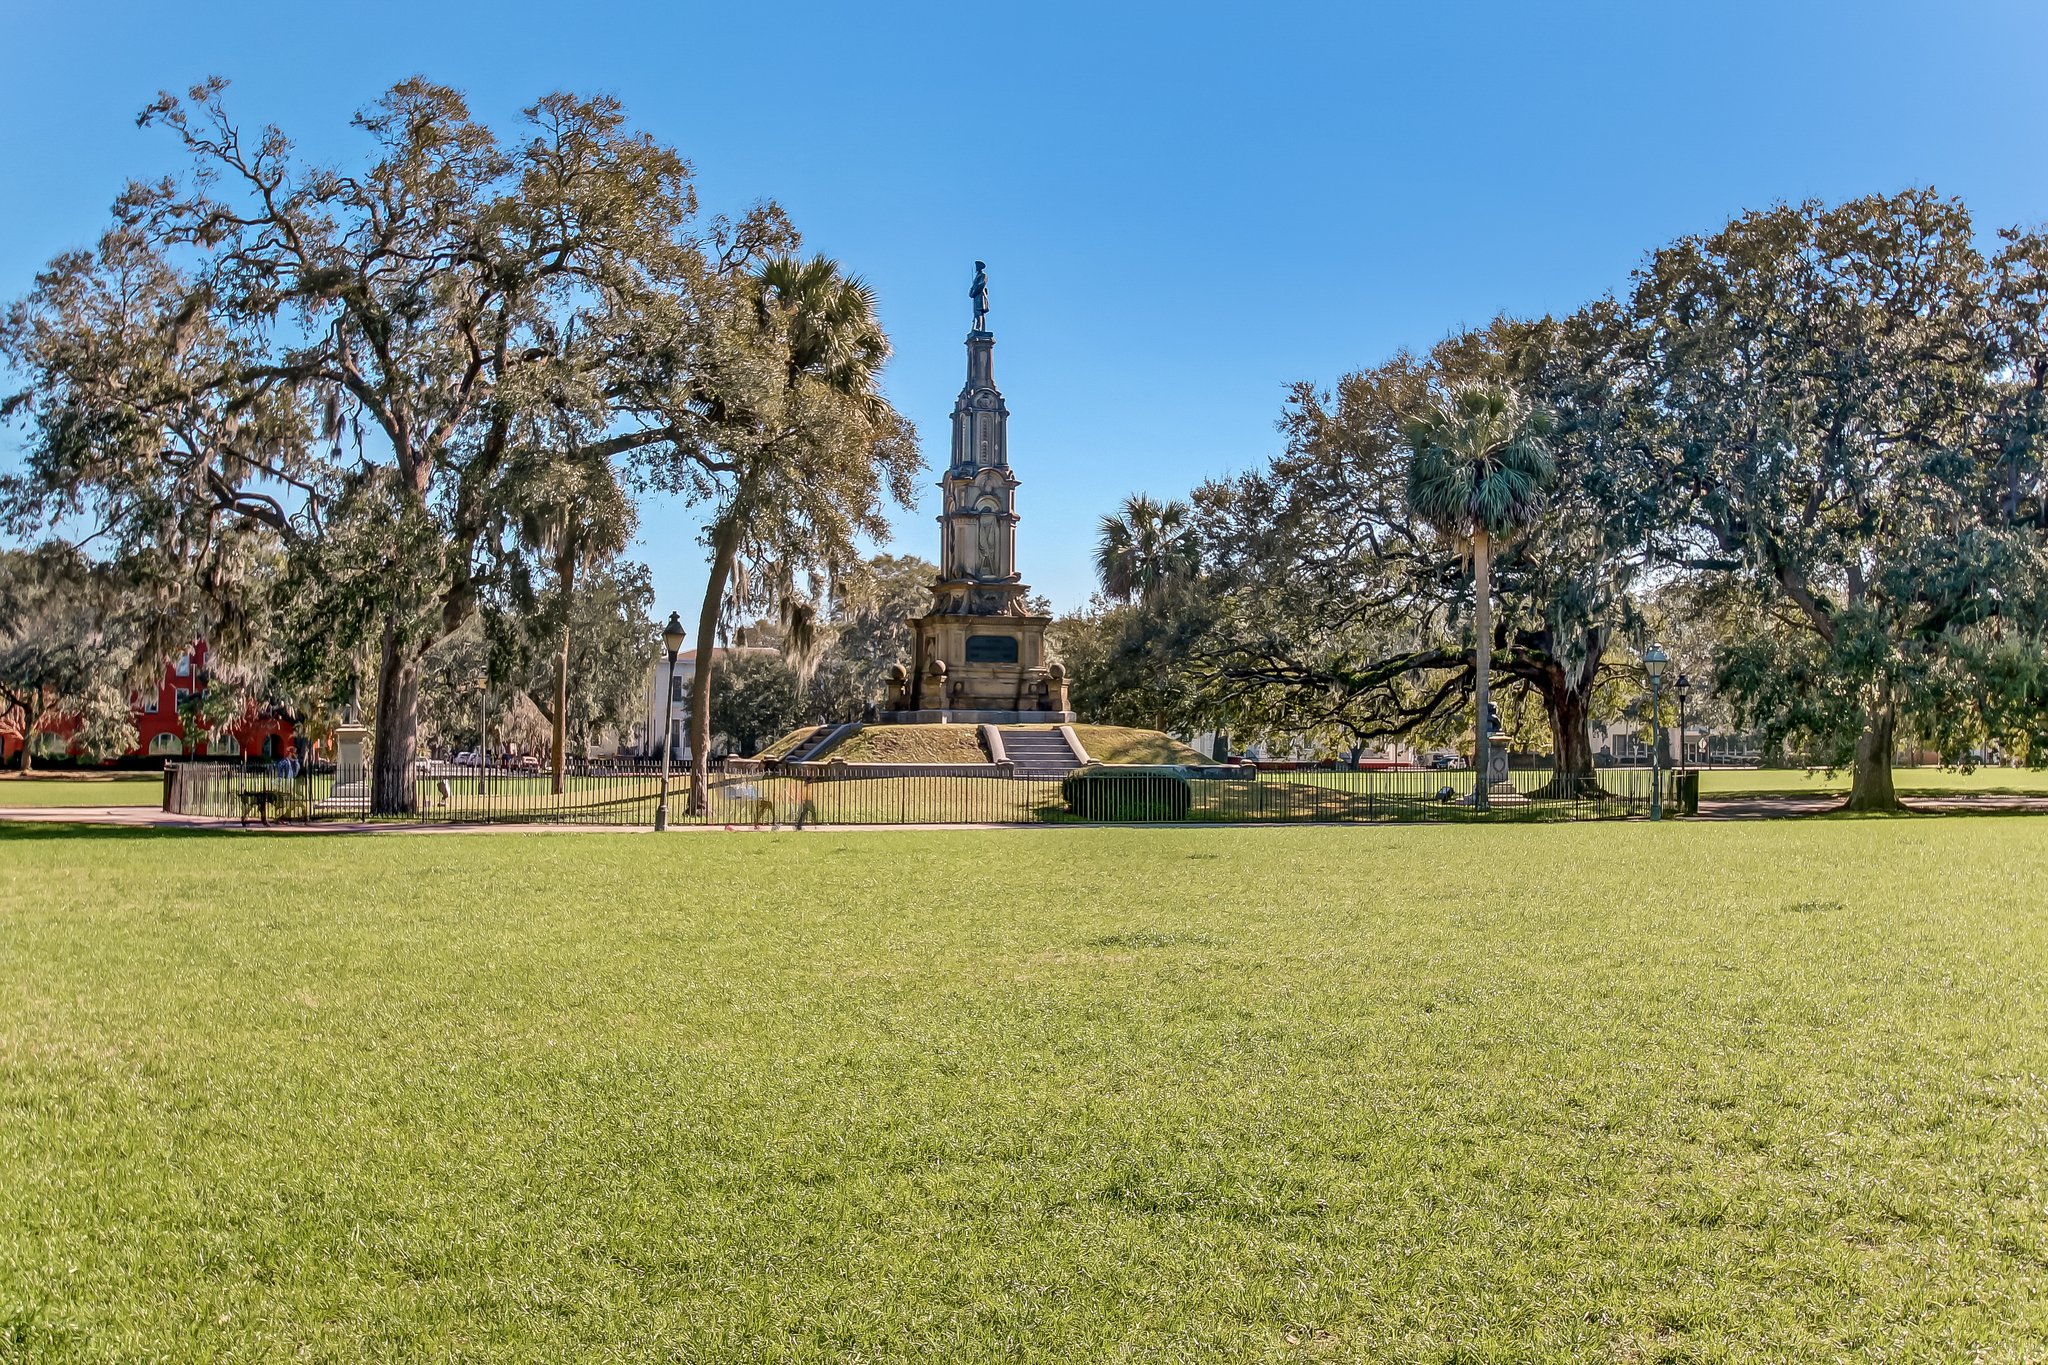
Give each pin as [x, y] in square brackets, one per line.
[1615, 1092]
[1924, 781]
[82, 789]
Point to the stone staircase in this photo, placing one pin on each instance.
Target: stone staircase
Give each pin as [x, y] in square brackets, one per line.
[1038, 753]
[819, 740]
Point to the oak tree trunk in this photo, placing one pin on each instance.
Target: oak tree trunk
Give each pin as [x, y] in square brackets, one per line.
[1871, 787]
[1571, 741]
[392, 790]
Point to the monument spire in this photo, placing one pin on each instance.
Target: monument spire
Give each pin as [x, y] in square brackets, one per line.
[980, 651]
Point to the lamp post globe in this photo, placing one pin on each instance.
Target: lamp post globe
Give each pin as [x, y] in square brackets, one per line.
[672, 636]
[1654, 662]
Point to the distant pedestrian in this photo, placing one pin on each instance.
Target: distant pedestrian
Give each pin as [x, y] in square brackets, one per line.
[801, 797]
[747, 795]
[445, 790]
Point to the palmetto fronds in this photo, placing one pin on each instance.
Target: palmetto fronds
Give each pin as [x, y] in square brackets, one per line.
[1146, 548]
[1479, 463]
[832, 331]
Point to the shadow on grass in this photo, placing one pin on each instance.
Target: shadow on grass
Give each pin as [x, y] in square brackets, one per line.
[27, 831]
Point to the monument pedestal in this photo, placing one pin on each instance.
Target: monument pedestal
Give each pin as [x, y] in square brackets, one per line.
[1500, 788]
[351, 768]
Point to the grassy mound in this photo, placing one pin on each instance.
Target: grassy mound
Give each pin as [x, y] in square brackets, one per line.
[911, 744]
[1122, 744]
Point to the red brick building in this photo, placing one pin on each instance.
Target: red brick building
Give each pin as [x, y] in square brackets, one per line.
[261, 733]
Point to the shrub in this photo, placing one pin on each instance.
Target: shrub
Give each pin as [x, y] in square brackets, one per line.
[1097, 793]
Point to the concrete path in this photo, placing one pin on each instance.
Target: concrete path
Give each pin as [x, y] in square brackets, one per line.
[149, 817]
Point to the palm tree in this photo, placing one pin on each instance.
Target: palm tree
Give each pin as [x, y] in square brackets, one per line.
[1477, 470]
[1145, 549]
[831, 340]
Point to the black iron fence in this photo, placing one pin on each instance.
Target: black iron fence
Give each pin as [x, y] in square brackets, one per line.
[627, 793]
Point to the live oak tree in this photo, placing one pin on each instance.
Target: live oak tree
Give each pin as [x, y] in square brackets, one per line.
[348, 360]
[1836, 413]
[757, 698]
[870, 625]
[579, 651]
[62, 655]
[574, 517]
[1340, 614]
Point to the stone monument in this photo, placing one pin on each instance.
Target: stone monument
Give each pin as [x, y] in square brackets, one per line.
[980, 653]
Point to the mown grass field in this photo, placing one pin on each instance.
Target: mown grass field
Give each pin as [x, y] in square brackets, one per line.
[1909, 781]
[96, 789]
[1624, 1092]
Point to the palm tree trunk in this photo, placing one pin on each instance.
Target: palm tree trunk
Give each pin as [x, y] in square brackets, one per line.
[1482, 660]
[725, 540]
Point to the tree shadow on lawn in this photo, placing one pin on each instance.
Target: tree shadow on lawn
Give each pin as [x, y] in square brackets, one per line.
[1226, 803]
[81, 831]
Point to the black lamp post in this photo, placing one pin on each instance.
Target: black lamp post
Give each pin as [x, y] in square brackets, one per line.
[483, 743]
[1683, 687]
[1654, 659]
[672, 641]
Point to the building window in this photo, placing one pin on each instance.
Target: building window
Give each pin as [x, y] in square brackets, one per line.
[675, 687]
[149, 707]
[223, 746]
[165, 743]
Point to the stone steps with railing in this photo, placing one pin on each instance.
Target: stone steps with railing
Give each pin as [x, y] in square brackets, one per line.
[1038, 753]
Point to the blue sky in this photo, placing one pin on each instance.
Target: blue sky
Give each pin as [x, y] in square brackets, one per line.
[1184, 207]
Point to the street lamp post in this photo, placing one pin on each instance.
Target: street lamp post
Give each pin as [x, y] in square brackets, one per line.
[1654, 659]
[672, 641]
[483, 743]
[1683, 687]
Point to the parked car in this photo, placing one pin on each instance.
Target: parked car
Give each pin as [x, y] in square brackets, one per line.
[527, 763]
[467, 759]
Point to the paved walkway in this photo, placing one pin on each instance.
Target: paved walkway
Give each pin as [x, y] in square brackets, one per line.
[149, 817]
